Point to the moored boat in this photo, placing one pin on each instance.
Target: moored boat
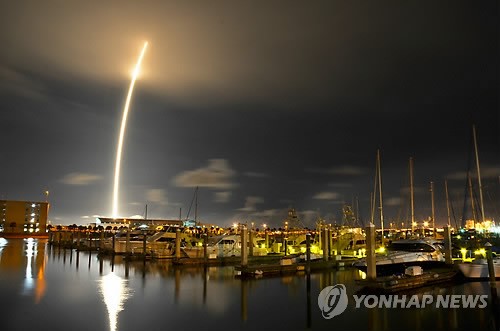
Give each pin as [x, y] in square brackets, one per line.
[401, 254]
[478, 269]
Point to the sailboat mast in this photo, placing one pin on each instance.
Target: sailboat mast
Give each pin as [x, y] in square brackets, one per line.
[380, 195]
[372, 209]
[196, 207]
[432, 211]
[478, 174]
[473, 205]
[447, 202]
[358, 219]
[373, 195]
[411, 198]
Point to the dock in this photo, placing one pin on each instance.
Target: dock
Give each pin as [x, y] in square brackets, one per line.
[396, 283]
[289, 266]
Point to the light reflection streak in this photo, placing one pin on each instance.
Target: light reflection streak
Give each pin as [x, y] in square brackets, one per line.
[30, 255]
[3, 243]
[40, 283]
[114, 292]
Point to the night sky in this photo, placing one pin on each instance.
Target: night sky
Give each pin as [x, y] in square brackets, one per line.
[265, 105]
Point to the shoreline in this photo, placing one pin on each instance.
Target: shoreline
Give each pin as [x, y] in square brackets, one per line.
[24, 236]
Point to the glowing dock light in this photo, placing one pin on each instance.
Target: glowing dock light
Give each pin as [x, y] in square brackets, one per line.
[481, 251]
[464, 252]
[122, 131]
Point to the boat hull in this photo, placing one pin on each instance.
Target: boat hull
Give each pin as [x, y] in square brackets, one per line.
[478, 270]
[399, 268]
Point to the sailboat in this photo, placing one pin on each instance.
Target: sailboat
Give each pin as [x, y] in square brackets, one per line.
[400, 254]
[479, 267]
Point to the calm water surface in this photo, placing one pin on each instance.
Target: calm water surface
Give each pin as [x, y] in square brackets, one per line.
[54, 289]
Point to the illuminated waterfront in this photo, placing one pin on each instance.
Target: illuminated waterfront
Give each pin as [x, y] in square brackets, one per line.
[56, 289]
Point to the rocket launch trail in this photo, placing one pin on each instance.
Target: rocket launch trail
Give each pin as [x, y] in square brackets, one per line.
[122, 132]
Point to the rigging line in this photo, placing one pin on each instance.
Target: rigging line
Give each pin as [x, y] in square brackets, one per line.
[191, 205]
[477, 202]
[453, 214]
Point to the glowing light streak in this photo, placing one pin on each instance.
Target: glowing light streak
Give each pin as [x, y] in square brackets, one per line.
[122, 132]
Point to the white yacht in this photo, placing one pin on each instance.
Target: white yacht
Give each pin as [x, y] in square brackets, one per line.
[222, 246]
[407, 252]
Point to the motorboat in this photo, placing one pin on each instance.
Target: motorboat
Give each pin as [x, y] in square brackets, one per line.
[478, 268]
[400, 254]
[222, 246]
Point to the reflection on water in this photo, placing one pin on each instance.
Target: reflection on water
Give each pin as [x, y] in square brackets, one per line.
[28, 256]
[3, 243]
[30, 253]
[52, 282]
[114, 293]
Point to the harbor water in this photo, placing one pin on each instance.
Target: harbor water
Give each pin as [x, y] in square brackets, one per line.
[50, 288]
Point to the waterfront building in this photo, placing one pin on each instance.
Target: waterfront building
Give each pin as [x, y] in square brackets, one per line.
[23, 217]
[135, 222]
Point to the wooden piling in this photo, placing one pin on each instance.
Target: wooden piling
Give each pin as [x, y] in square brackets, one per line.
[101, 240]
[250, 242]
[205, 248]
[337, 244]
[447, 245]
[371, 267]
[325, 244]
[78, 238]
[244, 247]
[330, 244]
[178, 244]
[320, 237]
[491, 271]
[144, 237]
[127, 242]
